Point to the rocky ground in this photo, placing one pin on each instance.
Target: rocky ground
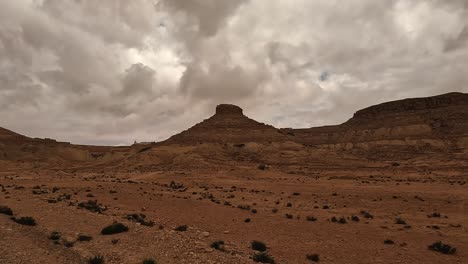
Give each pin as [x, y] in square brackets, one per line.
[355, 217]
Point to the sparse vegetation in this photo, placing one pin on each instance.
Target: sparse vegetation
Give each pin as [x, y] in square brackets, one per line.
[181, 228]
[244, 206]
[340, 220]
[311, 218]
[99, 259]
[55, 235]
[388, 242]
[25, 220]
[149, 261]
[367, 215]
[218, 245]
[6, 210]
[400, 221]
[114, 228]
[435, 215]
[258, 245]
[84, 238]
[442, 248]
[313, 257]
[263, 257]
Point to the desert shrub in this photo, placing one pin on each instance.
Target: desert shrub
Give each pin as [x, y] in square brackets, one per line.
[289, 216]
[400, 221]
[54, 235]
[68, 243]
[254, 211]
[96, 260]
[355, 218]
[388, 242]
[263, 257]
[313, 257]
[367, 215]
[258, 245]
[114, 228]
[84, 238]
[25, 220]
[244, 206]
[149, 261]
[181, 228]
[247, 220]
[289, 205]
[175, 186]
[435, 214]
[6, 210]
[218, 245]
[342, 220]
[262, 167]
[311, 218]
[442, 248]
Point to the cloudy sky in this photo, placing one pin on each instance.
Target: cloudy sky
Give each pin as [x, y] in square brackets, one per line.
[114, 71]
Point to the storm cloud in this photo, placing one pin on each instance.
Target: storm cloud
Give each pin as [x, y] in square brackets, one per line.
[115, 71]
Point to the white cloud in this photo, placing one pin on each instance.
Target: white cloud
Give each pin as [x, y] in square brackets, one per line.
[114, 71]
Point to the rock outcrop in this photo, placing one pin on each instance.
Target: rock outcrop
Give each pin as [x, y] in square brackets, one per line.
[228, 125]
[438, 123]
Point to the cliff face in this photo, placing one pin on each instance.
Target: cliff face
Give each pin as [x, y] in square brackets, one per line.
[411, 130]
[228, 125]
[438, 123]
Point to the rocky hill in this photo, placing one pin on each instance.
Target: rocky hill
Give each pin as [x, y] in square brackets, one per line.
[411, 131]
[229, 125]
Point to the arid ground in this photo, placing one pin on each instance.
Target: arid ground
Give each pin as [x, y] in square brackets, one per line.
[368, 192]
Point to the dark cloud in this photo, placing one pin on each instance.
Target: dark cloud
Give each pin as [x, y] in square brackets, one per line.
[115, 71]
